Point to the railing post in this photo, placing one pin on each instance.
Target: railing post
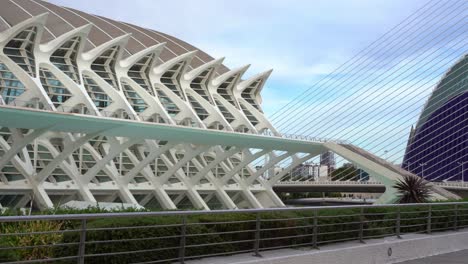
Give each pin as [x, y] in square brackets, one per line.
[315, 230]
[183, 234]
[455, 221]
[429, 220]
[361, 225]
[81, 247]
[257, 236]
[398, 222]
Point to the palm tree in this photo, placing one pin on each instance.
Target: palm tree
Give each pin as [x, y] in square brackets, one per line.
[413, 189]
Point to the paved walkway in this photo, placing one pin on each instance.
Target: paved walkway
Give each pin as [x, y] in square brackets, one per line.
[459, 257]
[373, 251]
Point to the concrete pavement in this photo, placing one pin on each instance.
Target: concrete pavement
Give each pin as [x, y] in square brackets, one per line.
[458, 257]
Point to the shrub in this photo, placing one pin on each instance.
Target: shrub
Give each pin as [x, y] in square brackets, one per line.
[413, 189]
[24, 243]
[147, 236]
[158, 238]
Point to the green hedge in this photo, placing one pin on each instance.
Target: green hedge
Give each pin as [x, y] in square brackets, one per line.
[210, 234]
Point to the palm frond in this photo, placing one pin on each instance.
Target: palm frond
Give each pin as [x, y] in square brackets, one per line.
[413, 189]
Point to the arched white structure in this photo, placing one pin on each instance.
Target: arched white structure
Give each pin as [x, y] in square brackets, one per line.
[62, 76]
[194, 123]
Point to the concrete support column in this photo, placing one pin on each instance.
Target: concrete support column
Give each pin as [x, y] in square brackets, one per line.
[163, 198]
[250, 197]
[19, 143]
[58, 160]
[225, 199]
[41, 198]
[219, 192]
[196, 199]
[22, 202]
[269, 198]
[127, 195]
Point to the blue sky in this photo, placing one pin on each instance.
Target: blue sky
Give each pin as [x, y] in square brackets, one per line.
[300, 40]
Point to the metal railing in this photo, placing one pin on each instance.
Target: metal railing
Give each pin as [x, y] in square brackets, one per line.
[441, 184]
[307, 138]
[451, 184]
[328, 183]
[177, 236]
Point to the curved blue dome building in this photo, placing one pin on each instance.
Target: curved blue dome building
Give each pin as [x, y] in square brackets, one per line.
[438, 146]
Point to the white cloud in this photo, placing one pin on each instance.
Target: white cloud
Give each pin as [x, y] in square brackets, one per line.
[298, 39]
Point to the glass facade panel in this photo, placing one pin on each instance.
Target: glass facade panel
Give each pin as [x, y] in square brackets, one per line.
[199, 84]
[135, 100]
[56, 91]
[65, 57]
[227, 115]
[441, 144]
[249, 94]
[10, 86]
[167, 103]
[99, 97]
[225, 89]
[20, 49]
[171, 79]
[438, 147]
[249, 115]
[201, 112]
[104, 66]
[139, 73]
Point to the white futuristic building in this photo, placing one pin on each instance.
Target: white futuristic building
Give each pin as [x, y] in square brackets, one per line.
[96, 110]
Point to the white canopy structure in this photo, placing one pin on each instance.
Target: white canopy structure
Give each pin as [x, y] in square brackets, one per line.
[96, 110]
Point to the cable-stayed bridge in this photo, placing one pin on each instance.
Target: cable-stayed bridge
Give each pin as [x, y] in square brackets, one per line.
[412, 76]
